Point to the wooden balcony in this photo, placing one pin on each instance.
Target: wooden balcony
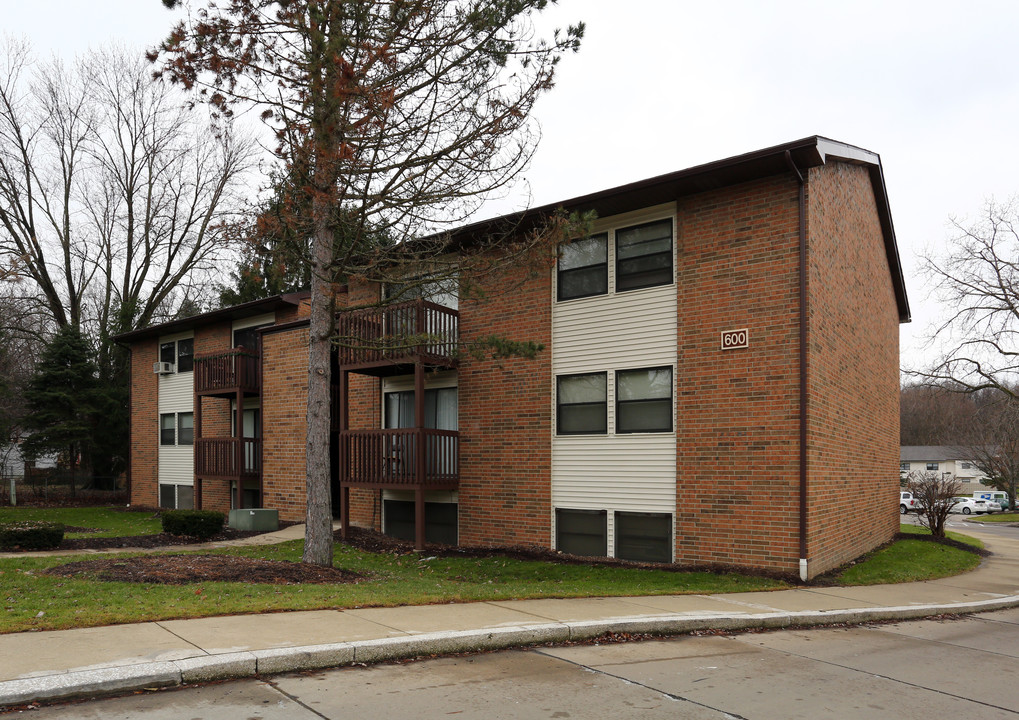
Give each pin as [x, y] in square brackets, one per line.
[384, 340]
[413, 458]
[228, 457]
[228, 373]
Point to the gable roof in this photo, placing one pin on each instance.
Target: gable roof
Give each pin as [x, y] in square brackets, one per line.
[809, 152]
[236, 312]
[931, 453]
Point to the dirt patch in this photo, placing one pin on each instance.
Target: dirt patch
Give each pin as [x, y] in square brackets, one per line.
[187, 569]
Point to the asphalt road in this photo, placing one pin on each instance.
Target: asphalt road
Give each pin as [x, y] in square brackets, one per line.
[957, 522]
[957, 667]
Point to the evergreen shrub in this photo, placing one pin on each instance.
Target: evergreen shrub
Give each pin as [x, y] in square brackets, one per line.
[201, 524]
[31, 535]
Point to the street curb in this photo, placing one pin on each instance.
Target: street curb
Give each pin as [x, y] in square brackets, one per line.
[238, 665]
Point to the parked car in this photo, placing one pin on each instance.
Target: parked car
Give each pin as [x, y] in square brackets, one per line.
[908, 503]
[994, 495]
[993, 506]
[969, 506]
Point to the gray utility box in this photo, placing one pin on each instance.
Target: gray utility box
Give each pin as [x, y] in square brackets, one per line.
[255, 519]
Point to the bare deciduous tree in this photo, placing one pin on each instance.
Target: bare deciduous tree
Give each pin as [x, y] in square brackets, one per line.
[112, 197]
[394, 118]
[934, 491]
[992, 444]
[979, 279]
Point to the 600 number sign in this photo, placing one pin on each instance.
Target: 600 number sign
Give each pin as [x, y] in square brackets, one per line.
[732, 339]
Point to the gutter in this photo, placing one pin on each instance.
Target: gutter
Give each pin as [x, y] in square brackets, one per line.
[804, 307]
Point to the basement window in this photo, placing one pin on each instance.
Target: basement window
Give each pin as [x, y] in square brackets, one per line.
[645, 537]
[581, 532]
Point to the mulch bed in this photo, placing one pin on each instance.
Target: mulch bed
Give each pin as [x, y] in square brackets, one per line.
[187, 569]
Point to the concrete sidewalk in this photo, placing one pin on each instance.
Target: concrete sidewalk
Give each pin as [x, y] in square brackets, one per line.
[95, 661]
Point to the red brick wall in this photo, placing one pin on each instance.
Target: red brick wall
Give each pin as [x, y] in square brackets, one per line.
[853, 371]
[737, 427]
[284, 421]
[144, 424]
[505, 419]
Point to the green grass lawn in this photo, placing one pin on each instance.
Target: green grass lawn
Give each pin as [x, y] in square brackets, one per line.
[389, 580]
[111, 522]
[912, 560]
[999, 517]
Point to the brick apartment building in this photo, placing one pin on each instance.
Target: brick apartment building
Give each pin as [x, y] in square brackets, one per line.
[719, 384]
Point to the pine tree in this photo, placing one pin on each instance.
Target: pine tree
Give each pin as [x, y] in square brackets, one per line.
[61, 400]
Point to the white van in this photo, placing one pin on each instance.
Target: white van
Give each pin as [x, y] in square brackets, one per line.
[996, 495]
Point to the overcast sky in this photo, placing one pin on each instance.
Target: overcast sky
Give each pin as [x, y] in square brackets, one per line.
[661, 85]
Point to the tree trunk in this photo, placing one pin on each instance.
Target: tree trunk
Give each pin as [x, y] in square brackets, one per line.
[318, 537]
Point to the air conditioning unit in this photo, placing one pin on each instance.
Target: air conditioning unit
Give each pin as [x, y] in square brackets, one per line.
[162, 368]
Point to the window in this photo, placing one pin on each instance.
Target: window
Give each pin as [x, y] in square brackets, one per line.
[167, 429]
[966, 466]
[176, 497]
[440, 409]
[177, 428]
[186, 355]
[644, 400]
[581, 404]
[583, 268]
[179, 353]
[168, 352]
[185, 428]
[249, 337]
[440, 521]
[646, 537]
[932, 466]
[581, 532]
[904, 467]
[644, 256]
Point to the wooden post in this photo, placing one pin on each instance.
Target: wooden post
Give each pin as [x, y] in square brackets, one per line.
[195, 451]
[342, 425]
[239, 455]
[419, 437]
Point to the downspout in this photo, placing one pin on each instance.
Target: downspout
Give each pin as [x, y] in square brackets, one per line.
[130, 416]
[803, 363]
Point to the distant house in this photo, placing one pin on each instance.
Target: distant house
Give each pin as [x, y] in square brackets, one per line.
[940, 459]
[12, 464]
[719, 384]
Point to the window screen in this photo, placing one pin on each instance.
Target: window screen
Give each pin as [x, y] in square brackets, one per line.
[644, 400]
[167, 429]
[646, 537]
[581, 532]
[168, 352]
[583, 268]
[186, 355]
[581, 404]
[644, 255]
[440, 521]
[185, 429]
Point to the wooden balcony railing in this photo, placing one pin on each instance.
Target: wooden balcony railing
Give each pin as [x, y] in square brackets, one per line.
[232, 370]
[400, 458]
[400, 332]
[218, 457]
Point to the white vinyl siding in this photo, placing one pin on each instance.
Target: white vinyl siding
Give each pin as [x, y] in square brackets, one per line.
[266, 319]
[175, 395]
[629, 472]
